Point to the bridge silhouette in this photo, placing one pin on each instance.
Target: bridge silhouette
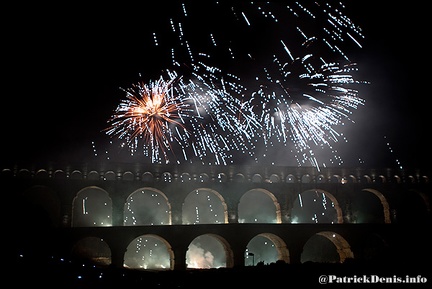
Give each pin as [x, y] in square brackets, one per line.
[48, 199]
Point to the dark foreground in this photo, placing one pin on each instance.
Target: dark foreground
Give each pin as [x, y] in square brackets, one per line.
[52, 272]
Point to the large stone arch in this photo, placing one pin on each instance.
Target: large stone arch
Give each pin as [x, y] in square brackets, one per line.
[92, 249]
[164, 242]
[280, 245]
[217, 194]
[229, 256]
[384, 203]
[319, 244]
[159, 192]
[271, 196]
[338, 209]
[342, 246]
[102, 193]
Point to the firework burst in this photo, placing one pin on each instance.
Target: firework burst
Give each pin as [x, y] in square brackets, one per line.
[149, 114]
[285, 81]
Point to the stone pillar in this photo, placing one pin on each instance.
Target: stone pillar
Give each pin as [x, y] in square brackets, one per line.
[176, 213]
[179, 258]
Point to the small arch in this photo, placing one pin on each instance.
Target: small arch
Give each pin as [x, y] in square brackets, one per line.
[60, 174]
[203, 178]
[110, 176]
[147, 177]
[93, 176]
[239, 178]
[222, 178]
[167, 177]
[185, 177]
[274, 178]
[306, 179]
[290, 179]
[128, 176]
[336, 179]
[92, 250]
[76, 175]
[42, 174]
[256, 178]
[149, 252]
[321, 179]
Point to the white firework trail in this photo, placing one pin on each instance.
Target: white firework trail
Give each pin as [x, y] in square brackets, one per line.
[280, 77]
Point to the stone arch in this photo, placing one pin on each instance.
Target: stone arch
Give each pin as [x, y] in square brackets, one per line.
[169, 252]
[76, 175]
[256, 178]
[280, 245]
[204, 177]
[93, 250]
[274, 178]
[278, 214]
[185, 177]
[213, 192]
[42, 174]
[222, 178]
[336, 179]
[110, 176]
[239, 177]
[59, 174]
[147, 177]
[107, 207]
[342, 246]
[306, 179]
[384, 203]
[128, 176]
[229, 256]
[321, 179]
[93, 175]
[290, 178]
[326, 247]
[167, 177]
[143, 189]
[338, 209]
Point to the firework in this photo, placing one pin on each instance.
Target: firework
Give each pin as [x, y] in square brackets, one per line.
[279, 78]
[150, 112]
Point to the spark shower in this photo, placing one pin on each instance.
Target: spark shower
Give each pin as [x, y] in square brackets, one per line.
[247, 81]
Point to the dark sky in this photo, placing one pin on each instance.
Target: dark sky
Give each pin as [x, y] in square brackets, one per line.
[68, 63]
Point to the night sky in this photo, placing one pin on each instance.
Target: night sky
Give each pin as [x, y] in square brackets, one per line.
[68, 63]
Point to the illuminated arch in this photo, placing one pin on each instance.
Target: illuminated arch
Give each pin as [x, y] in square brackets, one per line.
[161, 258]
[144, 190]
[342, 246]
[199, 255]
[336, 206]
[278, 215]
[188, 201]
[384, 203]
[280, 247]
[97, 214]
[92, 249]
[320, 252]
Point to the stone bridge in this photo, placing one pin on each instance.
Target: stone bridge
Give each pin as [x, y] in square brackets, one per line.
[51, 196]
